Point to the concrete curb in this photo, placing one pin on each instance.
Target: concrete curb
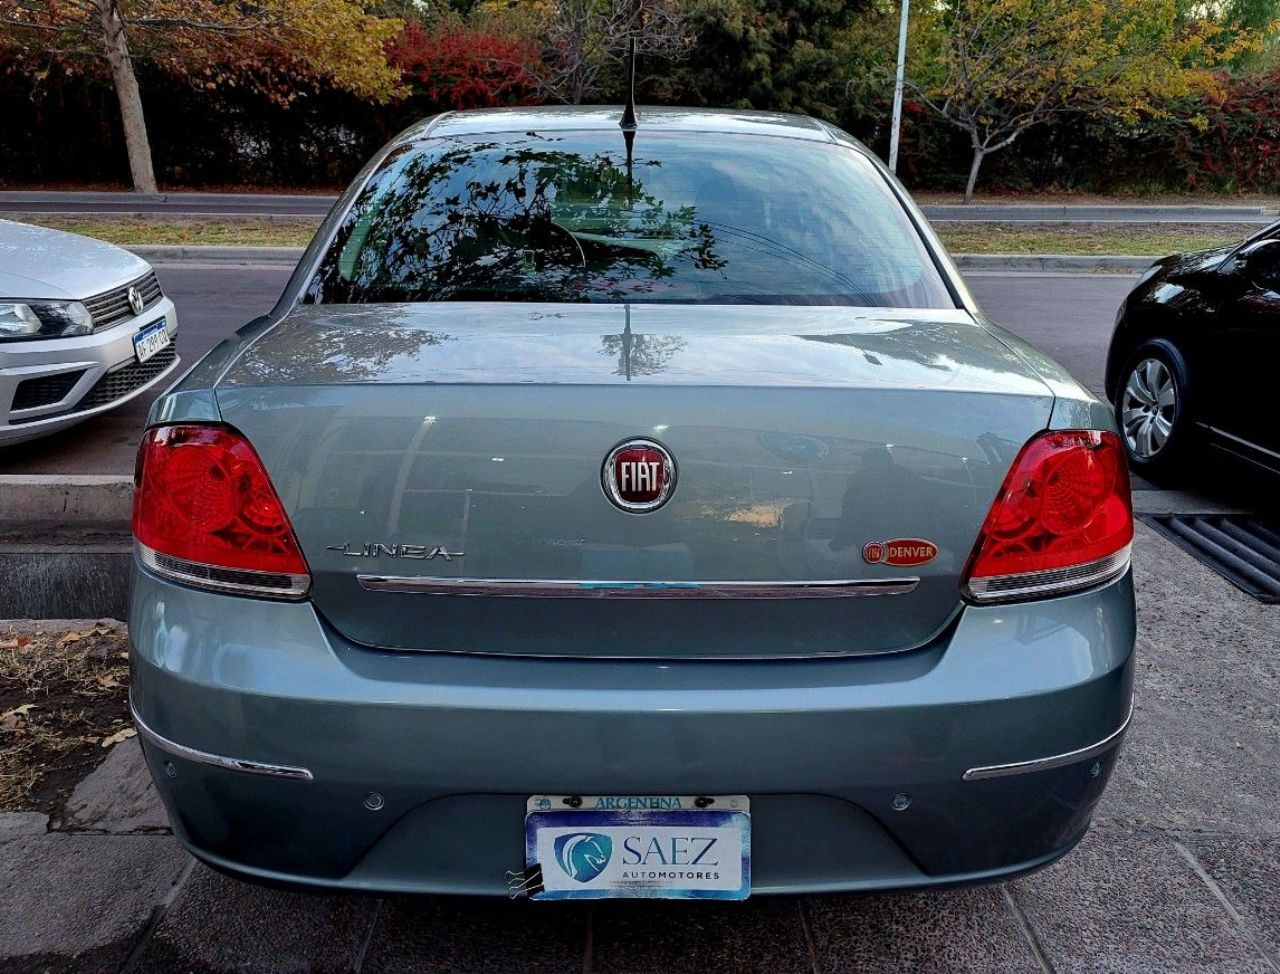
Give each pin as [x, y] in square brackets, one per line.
[1030, 263]
[285, 256]
[66, 499]
[24, 216]
[1054, 263]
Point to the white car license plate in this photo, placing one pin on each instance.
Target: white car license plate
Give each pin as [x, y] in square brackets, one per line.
[655, 846]
[151, 340]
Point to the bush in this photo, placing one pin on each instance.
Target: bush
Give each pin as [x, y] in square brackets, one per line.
[1230, 143]
[453, 66]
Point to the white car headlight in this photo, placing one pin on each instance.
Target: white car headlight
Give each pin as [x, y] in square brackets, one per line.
[44, 319]
[18, 321]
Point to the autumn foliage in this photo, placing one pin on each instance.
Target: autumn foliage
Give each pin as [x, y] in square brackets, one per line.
[1097, 95]
[456, 66]
[1230, 140]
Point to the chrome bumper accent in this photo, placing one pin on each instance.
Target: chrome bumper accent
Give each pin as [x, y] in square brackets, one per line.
[232, 581]
[565, 589]
[217, 760]
[1057, 761]
[1057, 581]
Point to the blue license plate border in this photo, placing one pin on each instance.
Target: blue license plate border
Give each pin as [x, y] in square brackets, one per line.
[159, 325]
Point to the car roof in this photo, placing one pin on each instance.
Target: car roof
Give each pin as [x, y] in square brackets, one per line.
[578, 118]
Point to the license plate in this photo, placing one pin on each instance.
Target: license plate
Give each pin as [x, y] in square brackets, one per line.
[595, 847]
[151, 340]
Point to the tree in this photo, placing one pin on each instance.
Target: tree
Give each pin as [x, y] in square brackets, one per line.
[216, 42]
[581, 39]
[780, 55]
[996, 68]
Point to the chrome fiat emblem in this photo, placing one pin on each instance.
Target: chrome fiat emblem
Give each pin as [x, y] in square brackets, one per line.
[135, 300]
[639, 476]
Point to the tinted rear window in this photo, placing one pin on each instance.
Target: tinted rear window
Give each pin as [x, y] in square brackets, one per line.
[705, 219]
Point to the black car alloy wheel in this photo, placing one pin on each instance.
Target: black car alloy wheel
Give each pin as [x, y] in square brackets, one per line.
[1151, 407]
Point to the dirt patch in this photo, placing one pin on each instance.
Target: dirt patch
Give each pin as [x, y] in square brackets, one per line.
[63, 703]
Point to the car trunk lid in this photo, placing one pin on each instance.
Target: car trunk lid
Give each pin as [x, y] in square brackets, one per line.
[442, 466]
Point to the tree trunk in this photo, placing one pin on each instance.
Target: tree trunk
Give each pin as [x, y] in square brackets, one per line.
[978, 154]
[127, 93]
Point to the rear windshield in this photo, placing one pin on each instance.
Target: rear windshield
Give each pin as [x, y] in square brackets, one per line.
[579, 218]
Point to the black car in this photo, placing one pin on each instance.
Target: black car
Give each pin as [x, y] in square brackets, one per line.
[1194, 357]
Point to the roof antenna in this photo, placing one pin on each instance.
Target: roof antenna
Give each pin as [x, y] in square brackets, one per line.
[628, 122]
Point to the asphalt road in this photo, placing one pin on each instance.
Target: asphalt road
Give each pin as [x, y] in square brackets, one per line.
[317, 205]
[1067, 315]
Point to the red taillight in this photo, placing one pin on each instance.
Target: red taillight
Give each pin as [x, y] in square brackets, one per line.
[205, 513]
[1063, 520]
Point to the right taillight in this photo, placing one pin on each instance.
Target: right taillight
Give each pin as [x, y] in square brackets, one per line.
[205, 514]
[1063, 520]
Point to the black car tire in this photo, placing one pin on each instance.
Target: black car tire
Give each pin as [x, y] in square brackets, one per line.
[1170, 460]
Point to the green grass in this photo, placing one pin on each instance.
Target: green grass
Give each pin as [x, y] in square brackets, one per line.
[961, 238]
[130, 231]
[1152, 240]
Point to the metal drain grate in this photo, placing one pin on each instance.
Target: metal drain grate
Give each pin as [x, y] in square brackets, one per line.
[1242, 548]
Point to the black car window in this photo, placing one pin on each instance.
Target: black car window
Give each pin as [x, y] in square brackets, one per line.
[570, 218]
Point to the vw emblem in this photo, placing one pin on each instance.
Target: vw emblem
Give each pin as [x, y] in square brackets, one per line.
[135, 300]
[639, 476]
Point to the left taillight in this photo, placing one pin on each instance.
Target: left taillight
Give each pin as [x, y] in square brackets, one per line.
[205, 514]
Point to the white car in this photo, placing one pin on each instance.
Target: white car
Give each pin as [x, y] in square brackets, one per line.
[84, 327]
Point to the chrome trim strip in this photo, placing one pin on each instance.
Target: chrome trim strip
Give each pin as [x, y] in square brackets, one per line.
[586, 589]
[231, 581]
[1057, 761]
[216, 760]
[1057, 581]
[1248, 444]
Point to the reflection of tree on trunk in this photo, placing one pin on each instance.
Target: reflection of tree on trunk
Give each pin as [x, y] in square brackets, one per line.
[640, 354]
[338, 353]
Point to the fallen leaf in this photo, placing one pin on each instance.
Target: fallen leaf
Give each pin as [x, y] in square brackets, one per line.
[118, 736]
[108, 681]
[10, 719]
[24, 640]
[70, 637]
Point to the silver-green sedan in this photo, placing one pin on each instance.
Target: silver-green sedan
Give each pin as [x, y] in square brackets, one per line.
[629, 511]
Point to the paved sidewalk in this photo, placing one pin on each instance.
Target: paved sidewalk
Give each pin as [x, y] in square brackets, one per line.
[1181, 872]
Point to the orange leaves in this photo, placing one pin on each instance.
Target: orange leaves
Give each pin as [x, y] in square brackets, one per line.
[460, 67]
[216, 43]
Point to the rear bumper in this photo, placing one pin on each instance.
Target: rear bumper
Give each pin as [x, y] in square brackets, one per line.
[85, 362]
[454, 744]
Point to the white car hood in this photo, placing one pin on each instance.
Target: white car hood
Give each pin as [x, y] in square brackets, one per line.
[36, 262]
